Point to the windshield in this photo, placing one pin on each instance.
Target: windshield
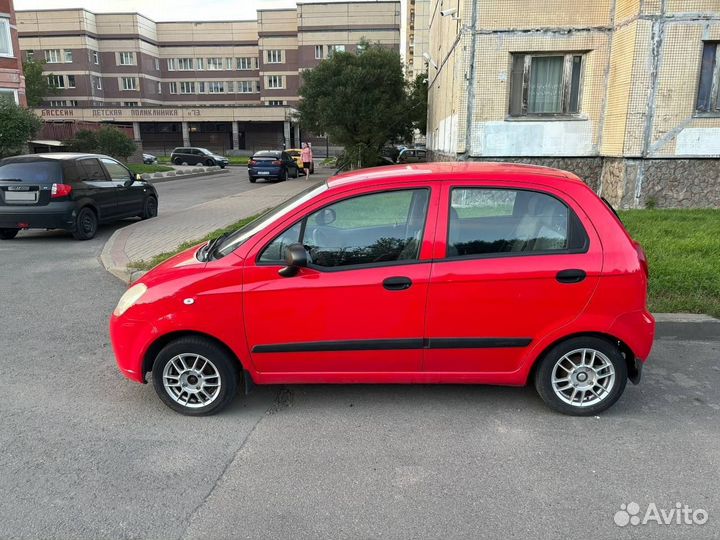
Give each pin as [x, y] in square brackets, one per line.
[239, 237]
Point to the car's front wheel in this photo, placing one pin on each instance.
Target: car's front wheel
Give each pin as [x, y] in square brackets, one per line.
[209, 162]
[86, 224]
[581, 376]
[150, 208]
[8, 234]
[194, 376]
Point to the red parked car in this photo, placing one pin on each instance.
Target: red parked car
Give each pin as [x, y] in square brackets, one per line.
[434, 273]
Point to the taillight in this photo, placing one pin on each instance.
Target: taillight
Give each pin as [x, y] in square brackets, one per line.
[642, 258]
[252, 163]
[60, 190]
[277, 162]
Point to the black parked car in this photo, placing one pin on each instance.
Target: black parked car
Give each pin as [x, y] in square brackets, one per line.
[75, 192]
[197, 156]
[272, 164]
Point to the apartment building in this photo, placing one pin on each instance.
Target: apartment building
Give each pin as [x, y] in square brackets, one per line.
[224, 84]
[416, 22]
[12, 82]
[626, 93]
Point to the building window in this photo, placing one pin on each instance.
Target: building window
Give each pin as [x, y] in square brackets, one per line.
[335, 48]
[6, 48]
[73, 103]
[275, 81]
[29, 55]
[131, 104]
[216, 87]
[187, 87]
[128, 83]
[708, 99]
[215, 64]
[7, 93]
[246, 87]
[159, 88]
[171, 64]
[95, 57]
[127, 58]
[157, 64]
[319, 52]
[55, 103]
[274, 56]
[97, 83]
[199, 63]
[545, 84]
[68, 57]
[173, 88]
[201, 87]
[274, 103]
[71, 81]
[57, 81]
[52, 56]
[185, 64]
[245, 63]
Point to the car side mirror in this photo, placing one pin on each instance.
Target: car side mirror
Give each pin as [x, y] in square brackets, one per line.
[296, 257]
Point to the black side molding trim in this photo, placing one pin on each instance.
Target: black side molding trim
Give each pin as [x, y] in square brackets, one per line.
[395, 344]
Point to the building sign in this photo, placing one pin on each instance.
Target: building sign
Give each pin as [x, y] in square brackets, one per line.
[166, 114]
[57, 113]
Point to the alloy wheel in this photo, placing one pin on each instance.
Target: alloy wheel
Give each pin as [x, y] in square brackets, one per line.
[583, 377]
[191, 380]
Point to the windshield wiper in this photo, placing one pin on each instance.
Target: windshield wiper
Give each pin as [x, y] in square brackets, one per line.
[210, 248]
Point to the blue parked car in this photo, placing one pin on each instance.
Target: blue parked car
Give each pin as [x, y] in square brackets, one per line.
[272, 164]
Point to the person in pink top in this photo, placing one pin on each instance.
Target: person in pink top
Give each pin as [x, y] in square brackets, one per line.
[306, 156]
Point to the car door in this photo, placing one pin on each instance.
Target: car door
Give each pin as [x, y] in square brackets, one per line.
[98, 187]
[129, 196]
[511, 265]
[359, 307]
[289, 163]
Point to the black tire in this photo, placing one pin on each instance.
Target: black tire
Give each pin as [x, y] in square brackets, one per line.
[284, 176]
[222, 165]
[209, 163]
[605, 351]
[8, 234]
[218, 362]
[150, 208]
[297, 172]
[253, 179]
[177, 161]
[86, 224]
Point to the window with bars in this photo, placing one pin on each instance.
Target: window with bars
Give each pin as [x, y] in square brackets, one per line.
[275, 81]
[708, 98]
[128, 83]
[274, 56]
[545, 84]
[126, 58]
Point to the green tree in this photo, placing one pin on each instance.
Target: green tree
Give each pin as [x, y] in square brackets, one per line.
[419, 102]
[107, 140]
[37, 87]
[17, 126]
[361, 101]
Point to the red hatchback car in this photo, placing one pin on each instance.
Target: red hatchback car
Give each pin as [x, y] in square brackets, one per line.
[433, 273]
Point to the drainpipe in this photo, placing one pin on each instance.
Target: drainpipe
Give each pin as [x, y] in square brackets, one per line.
[471, 78]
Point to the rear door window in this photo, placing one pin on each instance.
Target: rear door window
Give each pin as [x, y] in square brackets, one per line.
[92, 169]
[496, 222]
[33, 172]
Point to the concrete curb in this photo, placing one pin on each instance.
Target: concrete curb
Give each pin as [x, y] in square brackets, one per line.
[156, 178]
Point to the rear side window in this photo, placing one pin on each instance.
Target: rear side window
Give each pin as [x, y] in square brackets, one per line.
[38, 172]
[496, 222]
[92, 169]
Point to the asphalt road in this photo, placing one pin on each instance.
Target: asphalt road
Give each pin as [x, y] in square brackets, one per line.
[85, 453]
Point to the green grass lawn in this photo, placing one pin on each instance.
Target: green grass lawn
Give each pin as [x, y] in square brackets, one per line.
[234, 160]
[140, 168]
[157, 259]
[683, 249]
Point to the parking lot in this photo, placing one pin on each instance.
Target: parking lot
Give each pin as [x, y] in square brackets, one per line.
[86, 453]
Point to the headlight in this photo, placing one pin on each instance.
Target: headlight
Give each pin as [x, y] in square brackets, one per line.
[131, 296]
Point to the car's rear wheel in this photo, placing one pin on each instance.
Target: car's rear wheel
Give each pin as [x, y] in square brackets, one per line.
[8, 234]
[283, 175]
[253, 179]
[86, 224]
[177, 161]
[194, 376]
[581, 376]
[150, 208]
[209, 162]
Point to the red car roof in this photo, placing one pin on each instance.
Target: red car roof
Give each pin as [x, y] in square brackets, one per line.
[483, 170]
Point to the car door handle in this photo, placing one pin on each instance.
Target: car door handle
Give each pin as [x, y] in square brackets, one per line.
[572, 275]
[399, 283]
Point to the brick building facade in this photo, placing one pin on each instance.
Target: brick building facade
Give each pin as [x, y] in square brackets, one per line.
[624, 92]
[12, 82]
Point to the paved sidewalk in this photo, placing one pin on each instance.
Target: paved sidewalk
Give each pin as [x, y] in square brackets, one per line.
[144, 239]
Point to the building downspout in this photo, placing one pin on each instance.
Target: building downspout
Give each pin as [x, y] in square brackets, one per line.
[471, 79]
